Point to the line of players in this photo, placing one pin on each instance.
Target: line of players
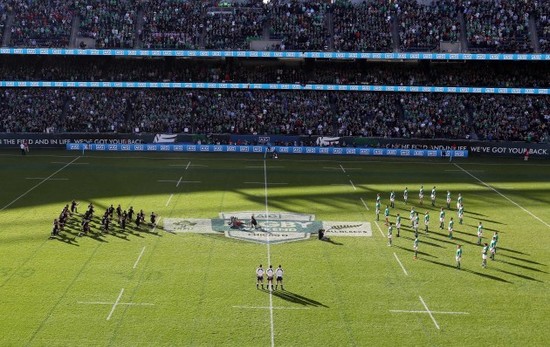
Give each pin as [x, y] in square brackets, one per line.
[123, 218]
[270, 273]
[415, 221]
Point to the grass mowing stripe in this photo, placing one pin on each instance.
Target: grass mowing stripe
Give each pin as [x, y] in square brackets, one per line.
[39, 184]
[504, 196]
[401, 264]
[272, 325]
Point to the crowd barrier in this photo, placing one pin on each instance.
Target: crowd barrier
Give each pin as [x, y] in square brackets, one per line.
[275, 86]
[274, 54]
[265, 150]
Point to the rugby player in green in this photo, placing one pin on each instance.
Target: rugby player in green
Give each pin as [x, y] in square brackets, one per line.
[484, 255]
[495, 236]
[458, 256]
[421, 195]
[451, 225]
[448, 200]
[479, 233]
[432, 196]
[411, 215]
[493, 248]
[459, 201]
[398, 224]
[377, 210]
[441, 219]
[387, 214]
[426, 220]
[415, 247]
[392, 199]
[390, 234]
[460, 214]
[406, 195]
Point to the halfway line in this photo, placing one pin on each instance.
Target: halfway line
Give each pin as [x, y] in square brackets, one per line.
[402, 267]
[139, 257]
[272, 325]
[504, 196]
[39, 184]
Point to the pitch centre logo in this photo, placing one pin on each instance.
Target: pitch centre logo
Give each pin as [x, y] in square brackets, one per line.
[272, 227]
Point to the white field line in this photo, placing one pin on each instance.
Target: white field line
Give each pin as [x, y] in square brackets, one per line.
[272, 325]
[429, 312]
[353, 185]
[188, 164]
[274, 307]
[435, 312]
[341, 167]
[378, 226]
[167, 181]
[179, 181]
[170, 198]
[401, 264]
[504, 196]
[63, 162]
[364, 204]
[338, 168]
[265, 183]
[174, 181]
[42, 178]
[461, 170]
[39, 184]
[115, 304]
[261, 167]
[139, 257]
[120, 303]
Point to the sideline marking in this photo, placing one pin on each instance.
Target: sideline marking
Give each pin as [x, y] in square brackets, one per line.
[170, 198]
[381, 233]
[402, 267]
[341, 167]
[115, 304]
[274, 307]
[272, 325]
[64, 162]
[120, 303]
[39, 184]
[504, 196]
[139, 257]
[429, 312]
[364, 204]
[353, 185]
[436, 312]
[42, 178]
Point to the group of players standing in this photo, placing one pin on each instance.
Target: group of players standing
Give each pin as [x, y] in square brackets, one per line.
[269, 273]
[415, 221]
[123, 218]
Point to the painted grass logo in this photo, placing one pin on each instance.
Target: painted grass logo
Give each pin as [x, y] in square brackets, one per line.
[275, 227]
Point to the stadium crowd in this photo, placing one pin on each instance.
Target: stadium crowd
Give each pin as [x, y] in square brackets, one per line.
[458, 116]
[495, 26]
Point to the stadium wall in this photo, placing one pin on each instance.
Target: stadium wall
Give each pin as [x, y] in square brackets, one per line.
[474, 148]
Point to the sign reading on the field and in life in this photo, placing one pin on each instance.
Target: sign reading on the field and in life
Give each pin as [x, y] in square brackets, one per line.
[274, 227]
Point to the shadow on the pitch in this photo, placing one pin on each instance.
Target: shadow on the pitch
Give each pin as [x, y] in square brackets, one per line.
[65, 239]
[424, 242]
[495, 278]
[520, 275]
[296, 298]
[477, 214]
[329, 240]
[511, 250]
[521, 259]
[412, 251]
[522, 266]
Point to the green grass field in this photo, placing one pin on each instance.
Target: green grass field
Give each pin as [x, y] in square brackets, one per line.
[154, 288]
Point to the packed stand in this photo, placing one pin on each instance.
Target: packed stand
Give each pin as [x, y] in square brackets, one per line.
[542, 12]
[363, 27]
[498, 26]
[455, 116]
[233, 27]
[5, 8]
[172, 24]
[111, 23]
[423, 27]
[300, 25]
[42, 23]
